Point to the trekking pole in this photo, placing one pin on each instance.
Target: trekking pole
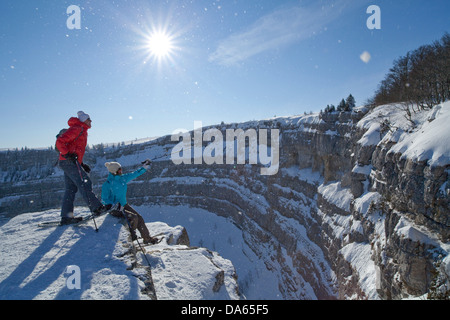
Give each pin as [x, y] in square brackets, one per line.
[137, 240]
[152, 286]
[95, 223]
[164, 155]
[82, 180]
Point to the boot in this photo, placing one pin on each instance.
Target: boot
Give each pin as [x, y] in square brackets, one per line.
[151, 240]
[70, 220]
[101, 209]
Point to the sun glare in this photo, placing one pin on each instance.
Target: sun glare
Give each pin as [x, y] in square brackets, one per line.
[158, 42]
[160, 45]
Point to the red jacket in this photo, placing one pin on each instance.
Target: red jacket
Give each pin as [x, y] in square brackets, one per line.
[74, 140]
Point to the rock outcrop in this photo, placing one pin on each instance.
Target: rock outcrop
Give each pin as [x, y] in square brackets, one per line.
[347, 216]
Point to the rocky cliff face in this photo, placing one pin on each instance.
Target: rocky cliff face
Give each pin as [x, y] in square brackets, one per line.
[353, 212]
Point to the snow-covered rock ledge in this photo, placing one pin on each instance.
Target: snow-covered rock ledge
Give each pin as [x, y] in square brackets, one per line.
[75, 262]
[182, 272]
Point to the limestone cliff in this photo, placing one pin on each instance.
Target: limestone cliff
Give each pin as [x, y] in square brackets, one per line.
[359, 208]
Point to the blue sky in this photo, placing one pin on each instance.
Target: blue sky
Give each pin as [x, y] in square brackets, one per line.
[230, 60]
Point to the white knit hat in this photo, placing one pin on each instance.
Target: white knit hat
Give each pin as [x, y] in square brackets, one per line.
[113, 167]
[82, 116]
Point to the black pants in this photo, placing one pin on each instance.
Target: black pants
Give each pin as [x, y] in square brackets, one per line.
[76, 179]
[134, 219]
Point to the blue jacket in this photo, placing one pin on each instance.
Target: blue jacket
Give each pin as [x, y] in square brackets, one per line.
[115, 187]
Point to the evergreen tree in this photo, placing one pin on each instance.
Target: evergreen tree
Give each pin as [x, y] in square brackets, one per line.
[350, 103]
[330, 109]
[341, 106]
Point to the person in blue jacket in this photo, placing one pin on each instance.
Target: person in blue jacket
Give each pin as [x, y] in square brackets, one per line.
[114, 191]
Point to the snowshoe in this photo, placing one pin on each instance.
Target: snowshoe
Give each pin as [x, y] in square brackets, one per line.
[79, 220]
[70, 220]
[153, 240]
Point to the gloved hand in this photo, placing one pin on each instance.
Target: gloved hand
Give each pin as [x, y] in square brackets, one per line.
[70, 156]
[86, 168]
[146, 164]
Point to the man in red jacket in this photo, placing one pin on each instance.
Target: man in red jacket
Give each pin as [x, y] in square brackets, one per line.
[72, 146]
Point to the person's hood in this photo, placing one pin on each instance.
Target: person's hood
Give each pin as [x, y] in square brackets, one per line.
[75, 122]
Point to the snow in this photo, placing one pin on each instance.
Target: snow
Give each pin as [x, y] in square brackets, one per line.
[219, 234]
[362, 204]
[35, 261]
[365, 170]
[422, 138]
[429, 142]
[187, 274]
[359, 256]
[446, 264]
[335, 194]
[306, 174]
[406, 230]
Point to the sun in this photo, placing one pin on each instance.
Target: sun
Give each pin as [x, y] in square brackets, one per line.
[160, 45]
[158, 42]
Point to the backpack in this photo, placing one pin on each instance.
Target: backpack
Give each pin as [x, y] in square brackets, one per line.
[61, 132]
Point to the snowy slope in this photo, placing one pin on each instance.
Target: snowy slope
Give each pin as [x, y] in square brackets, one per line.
[422, 138]
[34, 262]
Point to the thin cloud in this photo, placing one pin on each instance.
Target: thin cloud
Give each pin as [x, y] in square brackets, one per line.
[275, 30]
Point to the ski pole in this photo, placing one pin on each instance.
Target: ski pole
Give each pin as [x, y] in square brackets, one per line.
[164, 155]
[139, 244]
[152, 287]
[95, 223]
[82, 180]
